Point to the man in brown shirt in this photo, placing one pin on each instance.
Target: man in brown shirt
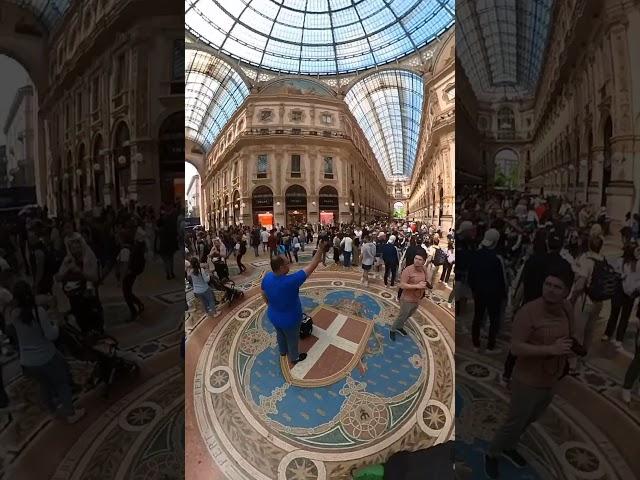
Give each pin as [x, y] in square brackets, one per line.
[541, 339]
[413, 283]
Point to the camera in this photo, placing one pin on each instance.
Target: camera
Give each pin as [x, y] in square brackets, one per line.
[578, 348]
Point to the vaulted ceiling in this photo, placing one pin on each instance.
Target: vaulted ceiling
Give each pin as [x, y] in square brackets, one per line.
[500, 44]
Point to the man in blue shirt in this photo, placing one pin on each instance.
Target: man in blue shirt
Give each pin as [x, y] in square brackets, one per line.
[281, 293]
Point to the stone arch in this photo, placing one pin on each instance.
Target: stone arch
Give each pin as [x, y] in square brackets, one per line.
[444, 55]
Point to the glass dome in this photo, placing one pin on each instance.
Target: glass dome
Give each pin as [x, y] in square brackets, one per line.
[388, 107]
[318, 37]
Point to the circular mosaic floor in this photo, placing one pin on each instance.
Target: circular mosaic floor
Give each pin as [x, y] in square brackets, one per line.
[563, 443]
[349, 409]
[141, 437]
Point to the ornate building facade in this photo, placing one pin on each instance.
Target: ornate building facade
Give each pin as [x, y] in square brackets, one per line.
[293, 151]
[110, 119]
[432, 185]
[578, 133]
[295, 148]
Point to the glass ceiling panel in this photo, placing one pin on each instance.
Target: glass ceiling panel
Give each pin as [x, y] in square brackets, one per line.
[388, 107]
[323, 37]
[213, 92]
[500, 44]
[48, 12]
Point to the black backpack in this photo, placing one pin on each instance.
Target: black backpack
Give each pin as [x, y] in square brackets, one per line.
[440, 257]
[605, 282]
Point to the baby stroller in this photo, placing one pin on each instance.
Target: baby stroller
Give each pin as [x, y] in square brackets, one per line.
[101, 350]
[228, 288]
[85, 306]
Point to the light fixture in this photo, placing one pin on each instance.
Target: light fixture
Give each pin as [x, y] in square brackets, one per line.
[278, 203]
[122, 160]
[97, 167]
[244, 204]
[237, 205]
[352, 204]
[79, 171]
[138, 158]
[346, 204]
[313, 203]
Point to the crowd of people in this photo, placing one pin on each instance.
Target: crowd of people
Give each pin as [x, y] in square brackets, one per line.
[539, 262]
[410, 249]
[43, 259]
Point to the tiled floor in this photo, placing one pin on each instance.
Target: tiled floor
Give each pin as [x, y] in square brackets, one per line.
[395, 396]
[137, 407]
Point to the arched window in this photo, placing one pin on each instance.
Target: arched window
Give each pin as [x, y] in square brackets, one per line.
[506, 120]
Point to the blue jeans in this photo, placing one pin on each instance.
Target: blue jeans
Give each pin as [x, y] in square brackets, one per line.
[347, 258]
[208, 300]
[54, 378]
[288, 340]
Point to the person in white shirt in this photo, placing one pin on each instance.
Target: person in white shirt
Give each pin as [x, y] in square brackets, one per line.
[347, 248]
[264, 237]
[367, 257]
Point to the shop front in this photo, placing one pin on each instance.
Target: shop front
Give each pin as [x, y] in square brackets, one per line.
[296, 205]
[262, 206]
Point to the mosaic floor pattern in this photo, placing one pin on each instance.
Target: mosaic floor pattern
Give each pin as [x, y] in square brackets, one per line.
[565, 443]
[356, 406]
[139, 438]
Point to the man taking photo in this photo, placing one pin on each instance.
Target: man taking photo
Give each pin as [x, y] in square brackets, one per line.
[281, 292]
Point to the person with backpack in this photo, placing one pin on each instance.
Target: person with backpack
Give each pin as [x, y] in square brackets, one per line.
[39, 357]
[390, 259]
[596, 282]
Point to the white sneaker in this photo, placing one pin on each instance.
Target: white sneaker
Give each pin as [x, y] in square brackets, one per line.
[75, 418]
[605, 338]
[626, 395]
[618, 344]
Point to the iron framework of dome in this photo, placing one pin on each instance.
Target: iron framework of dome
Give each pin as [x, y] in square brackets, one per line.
[48, 12]
[318, 37]
[388, 107]
[213, 92]
[500, 44]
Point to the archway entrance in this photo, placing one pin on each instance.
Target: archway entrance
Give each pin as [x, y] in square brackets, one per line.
[171, 156]
[295, 200]
[329, 206]
[122, 164]
[399, 210]
[606, 170]
[506, 169]
[20, 171]
[262, 206]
